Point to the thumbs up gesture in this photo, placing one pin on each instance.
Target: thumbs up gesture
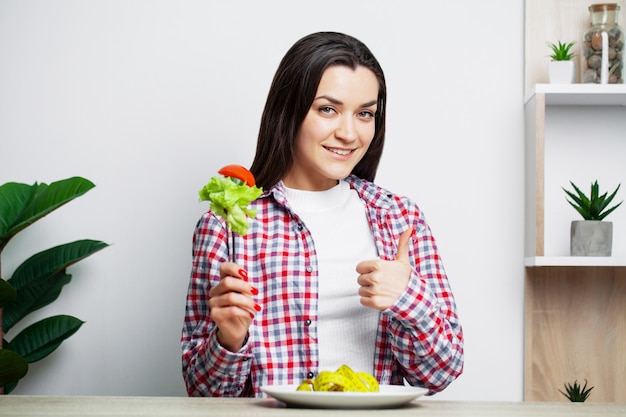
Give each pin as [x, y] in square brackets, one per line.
[381, 282]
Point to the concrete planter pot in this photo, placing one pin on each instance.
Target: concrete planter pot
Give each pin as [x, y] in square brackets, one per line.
[591, 238]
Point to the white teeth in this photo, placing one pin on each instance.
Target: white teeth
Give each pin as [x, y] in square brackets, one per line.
[340, 151]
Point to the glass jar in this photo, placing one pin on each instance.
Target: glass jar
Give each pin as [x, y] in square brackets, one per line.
[603, 46]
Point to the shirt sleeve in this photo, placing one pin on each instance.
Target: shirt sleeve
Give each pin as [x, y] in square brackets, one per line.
[208, 368]
[425, 335]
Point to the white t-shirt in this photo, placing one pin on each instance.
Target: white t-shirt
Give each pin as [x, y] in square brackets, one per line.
[337, 221]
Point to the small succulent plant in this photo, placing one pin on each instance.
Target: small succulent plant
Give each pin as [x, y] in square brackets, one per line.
[595, 206]
[561, 51]
[575, 393]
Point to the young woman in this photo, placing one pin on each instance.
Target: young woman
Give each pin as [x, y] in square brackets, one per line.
[334, 269]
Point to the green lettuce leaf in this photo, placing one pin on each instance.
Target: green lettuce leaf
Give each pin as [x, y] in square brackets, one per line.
[230, 199]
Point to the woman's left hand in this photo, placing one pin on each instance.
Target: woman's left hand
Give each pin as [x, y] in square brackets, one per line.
[381, 281]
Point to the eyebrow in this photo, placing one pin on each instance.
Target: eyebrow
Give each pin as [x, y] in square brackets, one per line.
[335, 101]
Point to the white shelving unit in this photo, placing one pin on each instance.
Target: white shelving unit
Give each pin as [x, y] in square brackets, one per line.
[574, 132]
[574, 306]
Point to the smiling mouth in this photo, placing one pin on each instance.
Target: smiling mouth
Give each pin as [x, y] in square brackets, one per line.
[342, 152]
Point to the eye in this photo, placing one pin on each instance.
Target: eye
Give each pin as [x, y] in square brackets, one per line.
[326, 110]
[366, 114]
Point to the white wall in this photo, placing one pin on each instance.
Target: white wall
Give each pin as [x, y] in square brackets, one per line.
[149, 98]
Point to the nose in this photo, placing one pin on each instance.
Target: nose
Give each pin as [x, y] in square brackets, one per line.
[346, 129]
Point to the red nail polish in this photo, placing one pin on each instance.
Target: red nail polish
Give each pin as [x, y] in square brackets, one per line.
[257, 307]
[243, 273]
[251, 315]
[254, 291]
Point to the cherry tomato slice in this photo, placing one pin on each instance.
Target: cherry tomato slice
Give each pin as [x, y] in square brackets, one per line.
[239, 172]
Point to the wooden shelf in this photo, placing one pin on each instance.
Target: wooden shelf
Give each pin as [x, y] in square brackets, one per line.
[574, 330]
[539, 261]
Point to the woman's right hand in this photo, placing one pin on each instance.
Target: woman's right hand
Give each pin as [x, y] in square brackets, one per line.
[232, 306]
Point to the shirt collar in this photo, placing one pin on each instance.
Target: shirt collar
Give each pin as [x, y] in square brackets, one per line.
[370, 193]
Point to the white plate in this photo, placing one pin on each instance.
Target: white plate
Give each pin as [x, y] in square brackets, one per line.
[389, 396]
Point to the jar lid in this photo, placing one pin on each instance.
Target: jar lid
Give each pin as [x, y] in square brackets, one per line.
[603, 6]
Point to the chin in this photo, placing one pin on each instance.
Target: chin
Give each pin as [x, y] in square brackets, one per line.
[338, 177]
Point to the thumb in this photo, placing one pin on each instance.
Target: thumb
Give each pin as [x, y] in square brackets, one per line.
[403, 245]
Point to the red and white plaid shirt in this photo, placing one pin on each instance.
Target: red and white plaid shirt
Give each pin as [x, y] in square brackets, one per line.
[419, 337]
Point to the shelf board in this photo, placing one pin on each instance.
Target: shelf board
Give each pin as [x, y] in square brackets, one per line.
[613, 261]
[581, 94]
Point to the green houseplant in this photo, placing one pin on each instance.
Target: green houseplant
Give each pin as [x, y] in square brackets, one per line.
[38, 281]
[592, 236]
[594, 206]
[561, 68]
[575, 393]
[561, 51]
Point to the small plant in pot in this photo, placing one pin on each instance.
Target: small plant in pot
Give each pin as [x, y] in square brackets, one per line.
[592, 236]
[561, 68]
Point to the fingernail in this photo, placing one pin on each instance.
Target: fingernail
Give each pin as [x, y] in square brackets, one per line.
[257, 307]
[254, 291]
[243, 273]
[251, 315]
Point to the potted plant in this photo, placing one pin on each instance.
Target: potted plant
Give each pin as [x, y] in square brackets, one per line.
[575, 393]
[38, 281]
[592, 236]
[561, 68]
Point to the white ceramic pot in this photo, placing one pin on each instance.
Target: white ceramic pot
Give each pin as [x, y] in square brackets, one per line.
[561, 72]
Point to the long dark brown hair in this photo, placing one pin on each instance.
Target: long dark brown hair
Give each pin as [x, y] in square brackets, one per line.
[292, 92]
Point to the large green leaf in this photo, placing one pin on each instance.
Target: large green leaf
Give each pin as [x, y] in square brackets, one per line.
[40, 279]
[12, 367]
[14, 198]
[33, 297]
[51, 261]
[42, 338]
[7, 293]
[23, 204]
[11, 385]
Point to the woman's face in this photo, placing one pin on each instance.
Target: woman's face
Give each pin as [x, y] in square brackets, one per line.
[337, 130]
